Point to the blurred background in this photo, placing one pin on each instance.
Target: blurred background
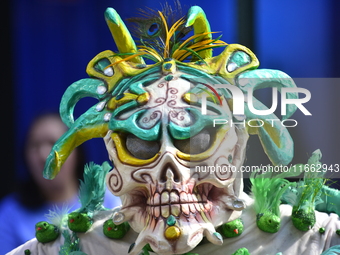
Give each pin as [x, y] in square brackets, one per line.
[46, 45]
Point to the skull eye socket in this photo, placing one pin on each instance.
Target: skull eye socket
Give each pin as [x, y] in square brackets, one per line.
[195, 144]
[141, 149]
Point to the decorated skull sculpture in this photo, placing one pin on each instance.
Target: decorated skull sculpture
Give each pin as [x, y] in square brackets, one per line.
[170, 130]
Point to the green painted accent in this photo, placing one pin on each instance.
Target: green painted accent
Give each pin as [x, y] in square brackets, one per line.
[241, 251]
[197, 75]
[302, 219]
[141, 66]
[27, 252]
[221, 80]
[322, 230]
[240, 58]
[229, 229]
[144, 77]
[171, 220]
[202, 121]
[75, 92]
[119, 96]
[79, 222]
[181, 133]
[87, 126]
[167, 66]
[218, 236]
[118, 88]
[129, 125]
[102, 64]
[137, 87]
[46, 232]
[168, 77]
[114, 231]
[268, 222]
[230, 158]
[337, 232]
[125, 107]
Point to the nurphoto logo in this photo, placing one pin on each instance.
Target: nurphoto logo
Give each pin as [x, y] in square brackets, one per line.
[239, 101]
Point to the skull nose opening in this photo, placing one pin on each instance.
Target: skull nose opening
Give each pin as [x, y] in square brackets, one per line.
[169, 173]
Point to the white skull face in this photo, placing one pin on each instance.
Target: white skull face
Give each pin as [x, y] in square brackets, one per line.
[174, 191]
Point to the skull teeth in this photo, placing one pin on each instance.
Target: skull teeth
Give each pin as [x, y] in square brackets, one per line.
[174, 199]
[185, 209]
[175, 210]
[165, 211]
[174, 203]
[156, 199]
[166, 198]
[156, 211]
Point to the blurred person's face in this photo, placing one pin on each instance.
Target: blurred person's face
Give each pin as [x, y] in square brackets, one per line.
[42, 136]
